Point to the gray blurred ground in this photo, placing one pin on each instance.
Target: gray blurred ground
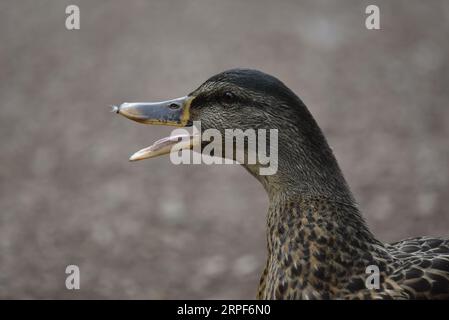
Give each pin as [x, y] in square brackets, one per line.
[151, 230]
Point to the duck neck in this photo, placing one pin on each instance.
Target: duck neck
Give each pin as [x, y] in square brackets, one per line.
[316, 244]
[315, 233]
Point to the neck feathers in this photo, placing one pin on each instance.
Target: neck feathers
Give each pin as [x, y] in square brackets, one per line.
[315, 247]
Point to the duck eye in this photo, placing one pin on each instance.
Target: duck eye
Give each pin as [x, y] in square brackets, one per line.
[228, 96]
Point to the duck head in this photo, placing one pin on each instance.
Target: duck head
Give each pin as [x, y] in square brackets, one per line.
[242, 99]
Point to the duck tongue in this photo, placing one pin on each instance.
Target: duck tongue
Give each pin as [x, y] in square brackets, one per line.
[165, 146]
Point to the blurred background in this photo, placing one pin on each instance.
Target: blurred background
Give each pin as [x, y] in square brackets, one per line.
[153, 230]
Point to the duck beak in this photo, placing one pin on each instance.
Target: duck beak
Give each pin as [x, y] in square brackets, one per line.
[174, 112]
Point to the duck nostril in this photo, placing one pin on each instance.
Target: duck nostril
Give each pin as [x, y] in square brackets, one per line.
[174, 106]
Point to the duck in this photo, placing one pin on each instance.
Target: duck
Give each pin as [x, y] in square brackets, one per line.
[318, 243]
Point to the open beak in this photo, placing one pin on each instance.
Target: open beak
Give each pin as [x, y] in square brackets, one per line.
[174, 112]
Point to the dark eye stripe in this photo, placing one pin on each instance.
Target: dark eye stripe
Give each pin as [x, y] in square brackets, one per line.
[219, 96]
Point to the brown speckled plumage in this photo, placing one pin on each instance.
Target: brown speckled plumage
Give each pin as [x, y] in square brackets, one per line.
[319, 249]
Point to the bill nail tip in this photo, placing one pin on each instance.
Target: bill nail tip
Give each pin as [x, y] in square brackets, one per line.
[135, 158]
[115, 109]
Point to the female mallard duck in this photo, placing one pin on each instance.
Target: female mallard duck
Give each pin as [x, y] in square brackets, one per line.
[319, 246]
